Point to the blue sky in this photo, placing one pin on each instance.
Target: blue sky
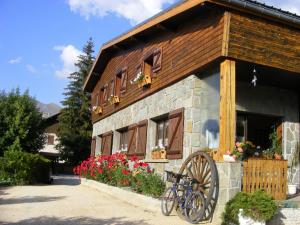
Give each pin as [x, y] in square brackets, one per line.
[40, 39]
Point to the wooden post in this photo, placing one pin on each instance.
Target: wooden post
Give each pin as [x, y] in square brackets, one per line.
[227, 106]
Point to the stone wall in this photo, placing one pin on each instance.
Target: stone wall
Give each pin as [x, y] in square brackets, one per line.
[229, 184]
[198, 95]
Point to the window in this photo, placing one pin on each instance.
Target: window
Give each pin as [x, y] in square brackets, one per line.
[152, 62]
[50, 139]
[120, 82]
[169, 133]
[162, 132]
[124, 139]
[103, 95]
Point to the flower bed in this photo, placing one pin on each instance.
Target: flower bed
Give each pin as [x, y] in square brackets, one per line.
[118, 170]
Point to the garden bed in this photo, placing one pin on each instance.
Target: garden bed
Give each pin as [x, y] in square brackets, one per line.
[138, 200]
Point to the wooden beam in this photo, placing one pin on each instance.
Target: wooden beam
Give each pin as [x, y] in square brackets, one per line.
[227, 106]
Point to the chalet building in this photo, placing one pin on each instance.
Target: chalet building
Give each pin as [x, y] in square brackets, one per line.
[201, 74]
[51, 124]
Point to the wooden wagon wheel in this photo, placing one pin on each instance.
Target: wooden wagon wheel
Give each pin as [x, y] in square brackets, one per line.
[201, 167]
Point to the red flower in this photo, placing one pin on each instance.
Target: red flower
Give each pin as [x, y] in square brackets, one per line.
[125, 172]
[100, 170]
[133, 158]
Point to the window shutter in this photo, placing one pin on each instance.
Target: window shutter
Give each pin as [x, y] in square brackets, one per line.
[123, 80]
[112, 87]
[175, 134]
[98, 99]
[93, 146]
[106, 143]
[157, 57]
[105, 97]
[132, 139]
[142, 139]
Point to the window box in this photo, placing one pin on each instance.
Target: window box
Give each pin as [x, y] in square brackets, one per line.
[145, 81]
[158, 153]
[97, 110]
[114, 100]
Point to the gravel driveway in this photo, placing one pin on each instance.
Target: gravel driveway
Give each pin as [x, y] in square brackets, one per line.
[67, 202]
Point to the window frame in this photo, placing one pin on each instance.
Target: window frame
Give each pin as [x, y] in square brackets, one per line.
[164, 121]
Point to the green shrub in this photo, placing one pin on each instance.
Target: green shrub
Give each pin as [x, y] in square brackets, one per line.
[258, 206]
[19, 168]
[148, 184]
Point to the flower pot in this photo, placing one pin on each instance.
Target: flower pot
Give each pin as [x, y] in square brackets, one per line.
[243, 220]
[277, 156]
[163, 154]
[228, 158]
[155, 155]
[292, 189]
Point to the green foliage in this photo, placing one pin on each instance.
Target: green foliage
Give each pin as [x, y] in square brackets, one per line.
[17, 167]
[75, 127]
[20, 123]
[258, 206]
[148, 184]
[275, 142]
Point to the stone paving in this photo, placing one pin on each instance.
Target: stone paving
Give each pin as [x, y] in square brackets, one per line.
[66, 202]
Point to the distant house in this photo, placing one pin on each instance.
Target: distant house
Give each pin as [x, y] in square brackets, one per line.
[49, 150]
[204, 73]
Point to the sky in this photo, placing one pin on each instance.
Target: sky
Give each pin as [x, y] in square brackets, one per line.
[41, 39]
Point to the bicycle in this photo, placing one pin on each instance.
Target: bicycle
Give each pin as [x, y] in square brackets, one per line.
[190, 203]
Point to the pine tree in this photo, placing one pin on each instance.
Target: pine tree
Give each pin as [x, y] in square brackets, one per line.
[75, 126]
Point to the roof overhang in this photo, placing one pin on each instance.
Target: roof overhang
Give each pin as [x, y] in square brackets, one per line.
[164, 20]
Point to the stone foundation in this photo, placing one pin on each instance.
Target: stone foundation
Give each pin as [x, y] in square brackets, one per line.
[230, 177]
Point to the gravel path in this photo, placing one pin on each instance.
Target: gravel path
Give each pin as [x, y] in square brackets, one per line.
[67, 202]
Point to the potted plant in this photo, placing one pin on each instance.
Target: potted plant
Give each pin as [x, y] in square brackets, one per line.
[159, 152]
[275, 144]
[241, 152]
[249, 208]
[292, 188]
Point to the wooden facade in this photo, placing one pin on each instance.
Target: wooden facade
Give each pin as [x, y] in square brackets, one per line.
[196, 44]
[255, 40]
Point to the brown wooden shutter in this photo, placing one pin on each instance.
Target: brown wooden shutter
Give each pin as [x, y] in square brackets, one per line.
[141, 139]
[112, 87]
[123, 80]
[93, 146]
[106, 143]
[157, 58]
[132, 145]
[105, 96]
[175, 134]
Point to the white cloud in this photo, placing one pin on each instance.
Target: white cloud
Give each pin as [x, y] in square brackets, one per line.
[288, 5]
[69, 56]
[15, 61]
[134, 10]
[31, 68]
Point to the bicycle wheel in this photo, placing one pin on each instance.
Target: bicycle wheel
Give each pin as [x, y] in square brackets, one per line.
[168, 201]
[194, 207]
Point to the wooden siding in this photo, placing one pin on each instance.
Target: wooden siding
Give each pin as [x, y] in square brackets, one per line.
[264, 42]
[195, 44]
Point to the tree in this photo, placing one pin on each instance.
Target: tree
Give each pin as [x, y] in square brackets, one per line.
[21, 126]
[75, 127]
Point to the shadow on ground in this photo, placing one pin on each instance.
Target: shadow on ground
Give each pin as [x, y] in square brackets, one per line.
[76, 221]
[29, 199]
[66, 180]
